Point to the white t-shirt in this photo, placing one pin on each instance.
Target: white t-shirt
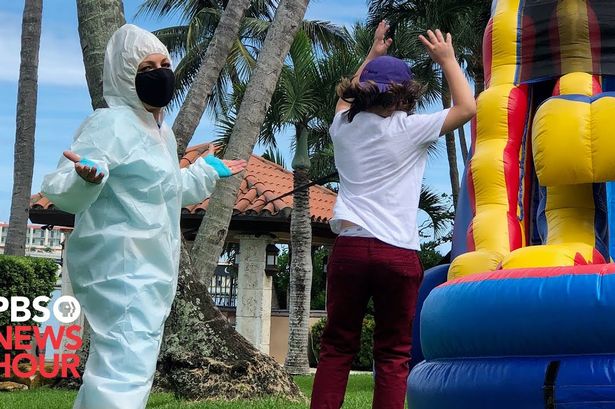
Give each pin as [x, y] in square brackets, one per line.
[381, 162]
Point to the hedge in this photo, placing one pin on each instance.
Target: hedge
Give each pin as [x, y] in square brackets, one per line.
[27, 277]
[364, 360]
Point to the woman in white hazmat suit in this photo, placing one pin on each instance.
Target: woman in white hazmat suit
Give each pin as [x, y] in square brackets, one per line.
[122, 181]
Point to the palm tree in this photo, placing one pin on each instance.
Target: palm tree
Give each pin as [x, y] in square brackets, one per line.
[300, 286]
[251, 115]
[301, 101]
[208, 72]
[298, 106]
[459, 18]
[437, 209]
[188, 42]
[26, 124]
[342, 62]
[186, 352]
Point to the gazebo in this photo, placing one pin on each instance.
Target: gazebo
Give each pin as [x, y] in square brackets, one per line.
[261, 216]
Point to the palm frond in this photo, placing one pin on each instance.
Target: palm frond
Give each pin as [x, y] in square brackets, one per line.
[274, 155]
[295, 97]
[174, 38]
[202, 25]
[263, 9]
[326, 36]
[363, 39]
[254, 29]
[185, 8]
[224, 129]
[186, 71]
[437, 208]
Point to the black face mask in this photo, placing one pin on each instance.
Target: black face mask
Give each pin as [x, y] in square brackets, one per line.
[156, 87]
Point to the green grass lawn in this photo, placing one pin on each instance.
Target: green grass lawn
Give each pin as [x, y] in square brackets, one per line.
[358, 395]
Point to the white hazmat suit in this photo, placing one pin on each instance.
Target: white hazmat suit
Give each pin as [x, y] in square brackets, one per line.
[123, 255]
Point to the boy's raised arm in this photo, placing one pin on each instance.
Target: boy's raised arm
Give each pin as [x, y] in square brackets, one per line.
[464, 106]
[379, 48]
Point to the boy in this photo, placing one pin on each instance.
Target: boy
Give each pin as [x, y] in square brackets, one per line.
[380, 153]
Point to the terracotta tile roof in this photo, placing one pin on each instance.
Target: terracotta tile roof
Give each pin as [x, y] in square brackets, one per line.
[263, 182]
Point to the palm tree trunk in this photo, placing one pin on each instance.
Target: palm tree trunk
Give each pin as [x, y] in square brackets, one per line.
[214, 60]
[463, 144]
[26, 125]
[212, 233]
[451, 151]
[98, 20]
[203, 357]
[301, 265]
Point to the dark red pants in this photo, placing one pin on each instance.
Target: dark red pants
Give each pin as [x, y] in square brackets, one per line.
[360, 269]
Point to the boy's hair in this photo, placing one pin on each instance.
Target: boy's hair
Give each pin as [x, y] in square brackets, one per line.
[364, 96]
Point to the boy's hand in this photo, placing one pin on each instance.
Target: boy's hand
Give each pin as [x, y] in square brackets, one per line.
[381, 43]
[87, 173]
[440, 49]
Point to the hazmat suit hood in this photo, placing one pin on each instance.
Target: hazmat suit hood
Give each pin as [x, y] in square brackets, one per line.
[128, 46]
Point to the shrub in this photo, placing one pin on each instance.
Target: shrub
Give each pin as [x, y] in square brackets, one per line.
[364, 359]
[281, 280]
[27, 277]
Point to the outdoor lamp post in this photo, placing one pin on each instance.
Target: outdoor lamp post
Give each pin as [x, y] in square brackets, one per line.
[271, 263]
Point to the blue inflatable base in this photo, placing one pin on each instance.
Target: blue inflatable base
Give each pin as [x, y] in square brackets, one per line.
[432, 278]
[566, 382]
[526, 312]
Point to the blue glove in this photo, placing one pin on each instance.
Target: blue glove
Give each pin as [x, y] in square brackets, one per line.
[219, 166]
[86, 162]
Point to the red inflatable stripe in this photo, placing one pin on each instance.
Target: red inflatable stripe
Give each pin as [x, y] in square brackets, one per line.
[517, 120]
[523, 273]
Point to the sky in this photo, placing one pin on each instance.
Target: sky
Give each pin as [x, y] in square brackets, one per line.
[64, 102]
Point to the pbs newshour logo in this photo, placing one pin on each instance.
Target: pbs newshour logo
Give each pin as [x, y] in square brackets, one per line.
[22, 342]
[66, 309]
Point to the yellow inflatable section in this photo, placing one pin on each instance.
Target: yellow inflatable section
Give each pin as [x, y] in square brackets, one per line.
[493, 171]
[568, 136]
[562, 142]
[573, 140]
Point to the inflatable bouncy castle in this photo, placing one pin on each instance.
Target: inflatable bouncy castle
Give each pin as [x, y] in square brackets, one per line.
[524, 316]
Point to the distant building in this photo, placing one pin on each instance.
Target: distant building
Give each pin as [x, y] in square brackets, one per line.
[41, 241]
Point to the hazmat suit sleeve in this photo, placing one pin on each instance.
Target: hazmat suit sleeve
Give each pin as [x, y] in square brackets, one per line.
[198, 182]
[94, 141]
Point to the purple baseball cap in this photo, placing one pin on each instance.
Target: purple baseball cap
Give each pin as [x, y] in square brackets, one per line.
[384, 71]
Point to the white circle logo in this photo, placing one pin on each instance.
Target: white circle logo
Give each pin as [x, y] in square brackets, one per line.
[66, 309]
